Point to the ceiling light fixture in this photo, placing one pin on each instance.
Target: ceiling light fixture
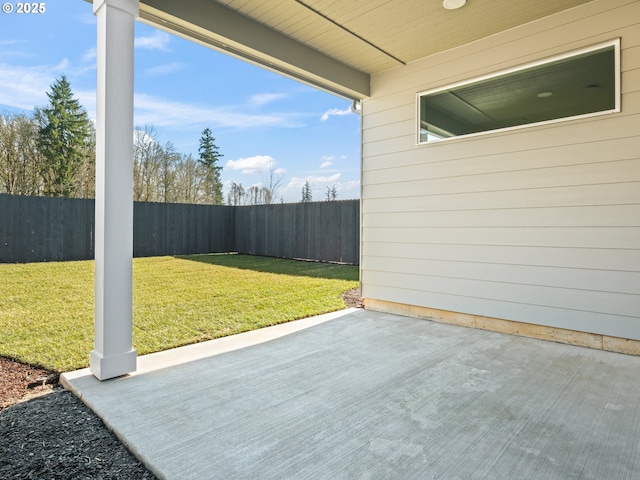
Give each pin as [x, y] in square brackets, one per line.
[544, 94]
[453, 4]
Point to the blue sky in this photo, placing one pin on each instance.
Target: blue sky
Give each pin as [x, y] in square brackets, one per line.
[259, 118]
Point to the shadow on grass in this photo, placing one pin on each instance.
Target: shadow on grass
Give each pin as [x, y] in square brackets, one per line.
[330, 271]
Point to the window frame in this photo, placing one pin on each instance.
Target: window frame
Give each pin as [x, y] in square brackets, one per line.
[615, 43]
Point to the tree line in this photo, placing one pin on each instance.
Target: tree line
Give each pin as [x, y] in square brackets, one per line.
[52, 153]
[162, 174]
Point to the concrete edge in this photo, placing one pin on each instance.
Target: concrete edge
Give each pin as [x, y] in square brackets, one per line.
[75, 380]
[510, 327]
[68, 385]
[196, 351]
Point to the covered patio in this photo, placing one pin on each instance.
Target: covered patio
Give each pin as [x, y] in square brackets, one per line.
[478, 230]
[363, 394]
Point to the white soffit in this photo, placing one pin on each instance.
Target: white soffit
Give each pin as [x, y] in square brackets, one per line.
[337, 44]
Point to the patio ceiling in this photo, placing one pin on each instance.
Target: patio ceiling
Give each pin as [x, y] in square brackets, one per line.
[337, 44]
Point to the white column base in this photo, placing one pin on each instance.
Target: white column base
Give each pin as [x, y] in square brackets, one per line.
[112, 366]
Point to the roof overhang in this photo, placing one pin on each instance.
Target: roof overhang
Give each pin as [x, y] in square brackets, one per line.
[338, 45]
[223, 29]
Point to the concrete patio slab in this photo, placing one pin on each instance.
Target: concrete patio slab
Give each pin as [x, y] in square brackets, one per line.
[363, 395]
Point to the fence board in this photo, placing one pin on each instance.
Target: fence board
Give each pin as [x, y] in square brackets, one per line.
[35, 229]
[314, 230]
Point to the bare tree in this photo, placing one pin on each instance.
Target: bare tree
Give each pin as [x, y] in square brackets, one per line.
[332, 194]
[187, 180]
[147, 157]
[169, 159]
[253, 195]
[271, 186]
[20, 160]
[86, 176]
[236, 194]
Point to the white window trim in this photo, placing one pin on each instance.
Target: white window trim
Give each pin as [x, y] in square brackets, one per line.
[615, 43]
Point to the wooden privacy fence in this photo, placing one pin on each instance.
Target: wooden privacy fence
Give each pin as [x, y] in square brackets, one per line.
[39, 229]
[326, 231]
[36, 229]
[180, 229]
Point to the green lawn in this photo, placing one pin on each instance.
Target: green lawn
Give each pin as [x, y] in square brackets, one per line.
[46, 309]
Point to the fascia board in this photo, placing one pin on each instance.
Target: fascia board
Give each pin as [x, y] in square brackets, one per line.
[223, 29]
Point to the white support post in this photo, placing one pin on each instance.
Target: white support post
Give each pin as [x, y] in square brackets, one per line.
[113, 353]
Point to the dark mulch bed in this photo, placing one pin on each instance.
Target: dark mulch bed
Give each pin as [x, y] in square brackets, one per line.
[46, 432]
[55, 436]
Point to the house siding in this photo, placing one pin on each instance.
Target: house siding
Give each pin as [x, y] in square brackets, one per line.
[538, 225]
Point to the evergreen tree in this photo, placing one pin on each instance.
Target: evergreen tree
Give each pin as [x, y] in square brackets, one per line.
[209, 156]
[62, 137]
[306, 192]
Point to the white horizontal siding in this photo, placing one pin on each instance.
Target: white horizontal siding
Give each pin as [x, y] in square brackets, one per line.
[593, 216]
[582, 153]
[620, 125]
[618, 171]
[569, 153]
[539, 224]
[596, 281]
[580, 320]
[585, 258]
[564, 237]
[603, 302]
[610, 194]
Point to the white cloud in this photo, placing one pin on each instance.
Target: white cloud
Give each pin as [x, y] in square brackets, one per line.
[335, 112]
[165, 113]
[251, 165]
[347, 190]
[89, 55]
[261, 99]
[141, 137]
[314, 181]
[158, 41]
[329, 160]
[165, 69]
[26, 87]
